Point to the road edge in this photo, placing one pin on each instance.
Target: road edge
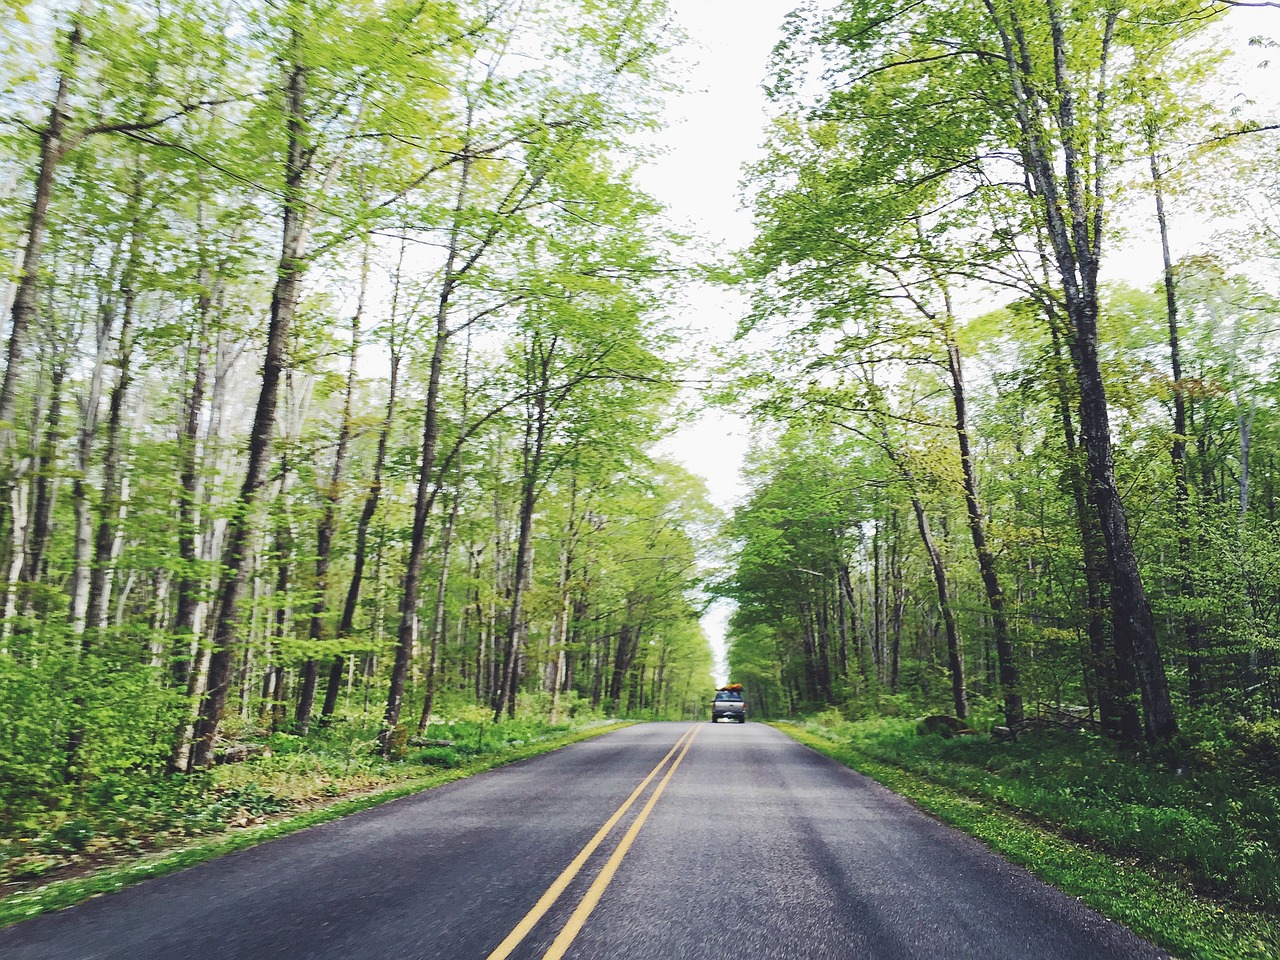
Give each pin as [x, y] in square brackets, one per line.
[65, 893]
[1155, 906]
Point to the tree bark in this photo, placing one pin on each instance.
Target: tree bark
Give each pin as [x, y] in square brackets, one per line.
[1073, 205]
[45, 469]
[284, 305]
[110, 500]
[24, 299]
[189, 581]
[347, 625]
[534, 448]
[1009, 683]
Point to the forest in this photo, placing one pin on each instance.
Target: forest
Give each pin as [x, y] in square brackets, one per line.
[995, 475]
[342, 340]
[337, 348]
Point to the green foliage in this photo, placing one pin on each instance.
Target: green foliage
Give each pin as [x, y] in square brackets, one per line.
[129, 812]
[192, 794]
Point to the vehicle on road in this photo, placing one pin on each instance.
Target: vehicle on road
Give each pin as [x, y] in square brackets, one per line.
[728, 703]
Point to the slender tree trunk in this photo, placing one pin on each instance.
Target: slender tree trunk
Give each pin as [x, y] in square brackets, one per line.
[451, 276]
[329, 519]
[284, 304]
[899, 592]
[534, 448]
[45, 468]
[110, 502]
[189, 581]
[1009, 684]
[347, 625]
[280, 598]
[1073, 206]
[426, 491]
[1197, 687]
[24, 299]
[446, 549]
[955, 654]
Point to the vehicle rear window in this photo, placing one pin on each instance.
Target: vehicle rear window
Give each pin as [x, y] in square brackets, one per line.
[728, 695]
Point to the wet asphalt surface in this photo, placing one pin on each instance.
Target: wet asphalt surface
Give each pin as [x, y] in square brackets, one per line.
[757, 848]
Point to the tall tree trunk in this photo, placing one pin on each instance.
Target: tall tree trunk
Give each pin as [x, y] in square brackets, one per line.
[451, 276]
[110, 501]
[955, 652]
[280, 619]
[1197, 687]
[898, 591]
[189, 581]
[446, 549]
[284, 304]
[24, 299]
[426, 491]
[1116, 683]
[329, 519]
[1009, 683]
[45, 469]
[534, 449]
[347, 625]
[1073, 206]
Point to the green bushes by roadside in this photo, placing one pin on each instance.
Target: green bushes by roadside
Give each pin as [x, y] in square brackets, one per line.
[50, 824]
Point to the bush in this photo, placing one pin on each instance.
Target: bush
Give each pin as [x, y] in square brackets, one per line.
[445, 757]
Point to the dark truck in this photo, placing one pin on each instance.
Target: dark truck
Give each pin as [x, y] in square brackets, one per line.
[728, 703]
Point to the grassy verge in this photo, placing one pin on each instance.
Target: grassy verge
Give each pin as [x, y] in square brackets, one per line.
[1156, 900]
[417, 773]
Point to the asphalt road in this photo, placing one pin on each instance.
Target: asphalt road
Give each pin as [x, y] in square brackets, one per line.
[742, 845]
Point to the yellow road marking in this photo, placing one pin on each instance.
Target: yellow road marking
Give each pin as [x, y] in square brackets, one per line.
[605, 877]
[546, 901]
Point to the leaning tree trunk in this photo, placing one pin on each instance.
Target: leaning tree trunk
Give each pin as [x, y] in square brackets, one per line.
[347, 625]
[24, 299]
[425, 495]
[955, 652]
[284, 304]
[1008, 668]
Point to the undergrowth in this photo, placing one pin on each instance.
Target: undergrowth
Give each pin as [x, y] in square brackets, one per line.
[119, 816]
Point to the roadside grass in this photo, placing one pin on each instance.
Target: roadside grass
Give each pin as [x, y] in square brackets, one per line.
[125, 831]
[1187, 860]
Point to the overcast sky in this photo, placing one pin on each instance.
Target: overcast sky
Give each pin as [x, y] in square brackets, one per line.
[715, 127]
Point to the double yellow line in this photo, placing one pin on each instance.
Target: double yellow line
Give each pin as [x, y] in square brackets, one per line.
[592, 896]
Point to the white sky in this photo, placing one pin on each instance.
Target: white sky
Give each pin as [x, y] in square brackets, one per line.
[715, 127]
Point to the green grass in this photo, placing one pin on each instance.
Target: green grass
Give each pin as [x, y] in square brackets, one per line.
[1044, 804]
[253, 790]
